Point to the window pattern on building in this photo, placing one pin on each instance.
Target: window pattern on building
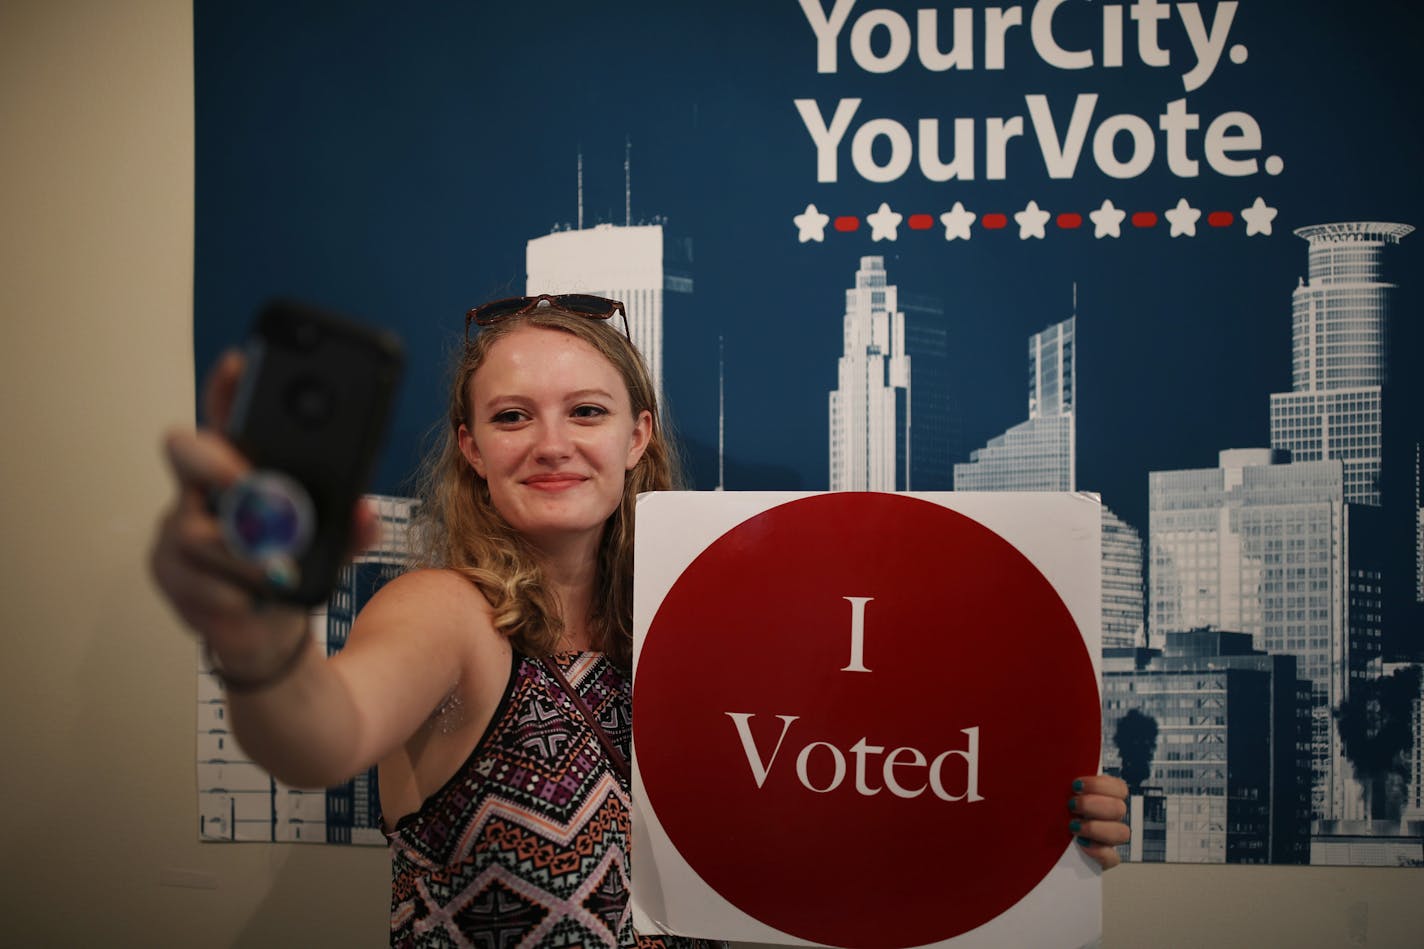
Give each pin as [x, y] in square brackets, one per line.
[1228, 760]
[1340, 320]
[871, 407]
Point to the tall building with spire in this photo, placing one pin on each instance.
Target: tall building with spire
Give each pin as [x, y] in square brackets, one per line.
[870, 408]
[650, 271]
[1340, 317]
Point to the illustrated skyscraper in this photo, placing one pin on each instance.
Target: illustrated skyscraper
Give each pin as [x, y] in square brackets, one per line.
[936, 435]
[1343, 405]
[1231, 764]
[1340, 319]
[1037, 454]
[353, 809]
[870, 408]
[1272, 549]
[637, 264]
[650, 271]
[1123, 624]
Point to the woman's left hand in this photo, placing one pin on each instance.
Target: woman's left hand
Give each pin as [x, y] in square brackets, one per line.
[1098, 805]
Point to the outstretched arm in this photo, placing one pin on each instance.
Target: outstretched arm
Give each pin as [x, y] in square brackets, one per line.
[309, 721]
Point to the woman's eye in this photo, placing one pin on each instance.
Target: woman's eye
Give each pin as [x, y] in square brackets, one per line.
[508, 417]
[589, 411]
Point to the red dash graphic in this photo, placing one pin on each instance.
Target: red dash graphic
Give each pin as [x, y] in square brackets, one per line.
[1220, 218]
[1069, 221]
[847, 223]
[995, 222]
[1144, 219]
[921, 222]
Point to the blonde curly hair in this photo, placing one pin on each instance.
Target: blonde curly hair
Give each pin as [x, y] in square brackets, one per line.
[456, 526]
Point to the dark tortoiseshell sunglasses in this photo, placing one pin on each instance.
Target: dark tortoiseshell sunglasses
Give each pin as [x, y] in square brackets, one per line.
[582, 304]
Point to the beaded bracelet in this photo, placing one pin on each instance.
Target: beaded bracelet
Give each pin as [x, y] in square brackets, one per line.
[241, 685]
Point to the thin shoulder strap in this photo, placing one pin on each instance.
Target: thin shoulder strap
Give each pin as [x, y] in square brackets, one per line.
[615, 757]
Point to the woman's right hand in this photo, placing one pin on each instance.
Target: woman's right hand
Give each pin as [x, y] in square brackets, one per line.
[214, 591]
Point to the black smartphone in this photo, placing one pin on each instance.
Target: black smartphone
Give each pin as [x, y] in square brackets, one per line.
[310, 413]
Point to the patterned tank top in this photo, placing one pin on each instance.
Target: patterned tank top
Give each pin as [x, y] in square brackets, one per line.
[527, 844]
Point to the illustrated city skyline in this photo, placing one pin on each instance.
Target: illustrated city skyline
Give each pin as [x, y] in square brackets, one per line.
[1286, 603]
[1173, 646]
[403, 186]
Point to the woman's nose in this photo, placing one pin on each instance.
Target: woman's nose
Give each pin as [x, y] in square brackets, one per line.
[553, 442]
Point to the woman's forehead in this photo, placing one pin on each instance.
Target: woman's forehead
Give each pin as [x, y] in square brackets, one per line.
[537, 354]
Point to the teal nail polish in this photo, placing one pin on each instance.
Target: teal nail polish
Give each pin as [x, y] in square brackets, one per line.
[1075, 825]
[1073, 804]
[1084, 842]
[1078, 785]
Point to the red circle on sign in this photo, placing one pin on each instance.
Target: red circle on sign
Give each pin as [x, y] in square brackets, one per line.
[896, 806]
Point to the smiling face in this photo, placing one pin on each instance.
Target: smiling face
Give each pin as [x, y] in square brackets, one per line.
[551, 430]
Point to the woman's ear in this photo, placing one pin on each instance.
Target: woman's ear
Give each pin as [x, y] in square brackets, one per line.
[642, 434]
[470, 451]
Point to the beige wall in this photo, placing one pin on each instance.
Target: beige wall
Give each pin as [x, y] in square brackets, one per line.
[97, 774]
[97, 692]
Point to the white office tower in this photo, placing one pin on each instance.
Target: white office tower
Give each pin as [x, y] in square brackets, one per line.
[1037, 454]
[870, 406]
[1340, 320]
[1272, 549]
[625, 263]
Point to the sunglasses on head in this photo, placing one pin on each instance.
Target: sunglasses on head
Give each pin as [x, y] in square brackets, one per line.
[580, 304]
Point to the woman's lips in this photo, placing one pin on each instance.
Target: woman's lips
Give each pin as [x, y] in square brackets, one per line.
[554, 482]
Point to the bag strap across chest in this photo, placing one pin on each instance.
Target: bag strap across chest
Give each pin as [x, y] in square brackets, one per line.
[615, 757]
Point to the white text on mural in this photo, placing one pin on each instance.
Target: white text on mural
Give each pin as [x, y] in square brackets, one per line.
[1057, 132]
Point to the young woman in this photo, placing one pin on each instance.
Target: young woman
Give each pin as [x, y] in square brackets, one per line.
[492, 685]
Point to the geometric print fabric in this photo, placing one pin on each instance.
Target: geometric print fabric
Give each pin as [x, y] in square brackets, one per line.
[527, 844]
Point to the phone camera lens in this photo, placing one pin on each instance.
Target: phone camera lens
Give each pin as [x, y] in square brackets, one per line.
[310, 401]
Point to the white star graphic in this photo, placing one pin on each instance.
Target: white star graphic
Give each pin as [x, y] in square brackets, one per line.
[1107, 220]
[883, 223]
[1258, 217]
[1031, 220]
[812, 224]
[956, 221]
[1183, 219]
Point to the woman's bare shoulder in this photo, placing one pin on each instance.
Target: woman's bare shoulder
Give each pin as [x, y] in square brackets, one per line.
[430, 600]
[427, 589]
[429, 629]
